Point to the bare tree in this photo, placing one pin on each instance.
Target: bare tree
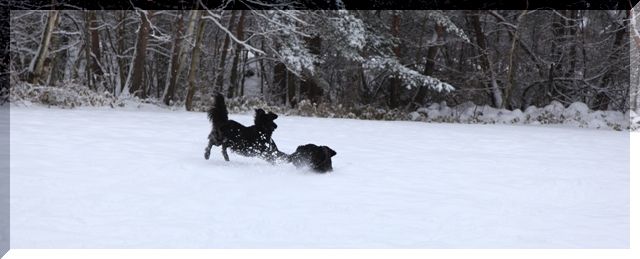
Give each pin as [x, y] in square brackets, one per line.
[134, 81]
[36, 68]
[485, 63]
[429, 65]
[512, 66]
[195, 60]
[394, 96]
[174, 63]
[233, 78]
[93, 53]
[223, 58]
[178, 56]
[635, 61]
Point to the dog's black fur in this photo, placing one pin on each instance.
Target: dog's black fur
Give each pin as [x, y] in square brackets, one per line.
[315, 157]
[248, 141]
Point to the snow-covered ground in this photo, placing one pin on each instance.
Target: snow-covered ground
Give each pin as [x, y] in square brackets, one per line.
[102, 178]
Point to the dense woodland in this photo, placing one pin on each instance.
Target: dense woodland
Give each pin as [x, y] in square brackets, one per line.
[402, 59]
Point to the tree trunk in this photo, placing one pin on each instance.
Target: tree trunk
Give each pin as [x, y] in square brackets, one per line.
[195, 60]
[223, 57]
[394, 96]
[291, 86]
[280, 81]
[602, 99]
[233, 78]
[557, 44]
[174, 64]
[513, 64]
[137, 69]
[158, 78]
[557, 50]
[58, 65]
[262, 72]
[94, 71]
[351, 95]
[496, 93]
[244, 72]
[36, 68]
[429, 65]
[121, 61]
[635, 49]
[215, 53]
[75, 64]
[87, 53]
[312, 85]
[510, 74]
[178, 56]
[95, 44]
[194, 19]
[574, 46]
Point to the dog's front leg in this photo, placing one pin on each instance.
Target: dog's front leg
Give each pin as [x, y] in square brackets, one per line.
[224, 152]
[207, 150]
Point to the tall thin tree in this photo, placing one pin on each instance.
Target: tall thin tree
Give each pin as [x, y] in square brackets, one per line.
[223, 56]
[195, 60]
[135, 79]
[36, 68]
[233, 78]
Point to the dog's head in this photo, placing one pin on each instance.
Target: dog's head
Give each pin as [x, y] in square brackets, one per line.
[265, 120]
[316, 157]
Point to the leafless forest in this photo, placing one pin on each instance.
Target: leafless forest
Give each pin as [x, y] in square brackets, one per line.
[380, 58]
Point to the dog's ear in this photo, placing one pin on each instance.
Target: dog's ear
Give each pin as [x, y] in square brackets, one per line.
[272, 116]
[330, 151]
[259, 111]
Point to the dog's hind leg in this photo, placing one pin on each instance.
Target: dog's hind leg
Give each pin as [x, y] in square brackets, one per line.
[224, 152]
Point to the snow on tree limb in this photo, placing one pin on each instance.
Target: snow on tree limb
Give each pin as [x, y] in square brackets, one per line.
[215, 19]
[444, 21]
[410, 77]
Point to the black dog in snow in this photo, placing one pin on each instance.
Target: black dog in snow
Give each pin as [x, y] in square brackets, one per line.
[250, 141]
[315, 157]
[256, 140]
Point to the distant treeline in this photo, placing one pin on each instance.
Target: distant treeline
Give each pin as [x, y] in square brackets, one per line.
[393, 59]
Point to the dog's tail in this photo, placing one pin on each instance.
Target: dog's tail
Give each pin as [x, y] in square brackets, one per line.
[218, 112]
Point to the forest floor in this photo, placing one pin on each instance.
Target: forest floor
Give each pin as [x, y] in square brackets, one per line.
[104, 178]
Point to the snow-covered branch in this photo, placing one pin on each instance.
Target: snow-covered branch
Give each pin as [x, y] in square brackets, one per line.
[211, 17]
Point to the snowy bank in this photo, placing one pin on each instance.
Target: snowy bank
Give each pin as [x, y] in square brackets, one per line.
[73, 95]
[575, 115]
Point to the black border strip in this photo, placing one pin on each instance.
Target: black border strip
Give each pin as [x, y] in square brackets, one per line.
[329, 4]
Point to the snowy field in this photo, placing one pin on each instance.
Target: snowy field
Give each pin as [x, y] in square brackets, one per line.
[102, 178]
